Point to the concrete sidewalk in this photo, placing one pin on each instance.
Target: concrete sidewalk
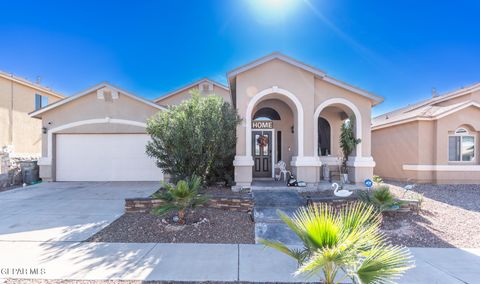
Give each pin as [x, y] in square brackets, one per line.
[199, 262]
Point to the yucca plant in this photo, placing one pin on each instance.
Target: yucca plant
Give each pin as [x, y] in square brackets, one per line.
[346, 242]
[181, 197]
[381, 198]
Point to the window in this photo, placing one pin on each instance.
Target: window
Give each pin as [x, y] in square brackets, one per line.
[461, 146]
[40, 101]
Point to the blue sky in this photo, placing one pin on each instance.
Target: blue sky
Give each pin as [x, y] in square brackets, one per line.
[395, 49]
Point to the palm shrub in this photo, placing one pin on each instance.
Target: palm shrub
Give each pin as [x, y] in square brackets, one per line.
[348, 142]
[196, 137]
[380, 198]
[180, 197]
[347, 241]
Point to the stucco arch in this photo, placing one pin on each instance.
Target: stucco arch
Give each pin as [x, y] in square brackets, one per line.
[256, 99]
[48, 160]
[358, 121]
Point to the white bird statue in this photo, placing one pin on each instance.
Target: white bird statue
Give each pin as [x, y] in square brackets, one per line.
[408, 187]
[341, 192]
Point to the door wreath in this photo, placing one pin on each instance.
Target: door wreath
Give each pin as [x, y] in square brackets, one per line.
[262, 140]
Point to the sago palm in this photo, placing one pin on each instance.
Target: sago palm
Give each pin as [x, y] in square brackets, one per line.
[181, 197]
[343, 244]
[381, 198]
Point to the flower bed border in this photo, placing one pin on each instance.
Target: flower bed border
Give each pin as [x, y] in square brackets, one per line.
[231, 203]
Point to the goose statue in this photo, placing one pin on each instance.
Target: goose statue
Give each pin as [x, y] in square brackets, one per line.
[408, 187]
[341, 192]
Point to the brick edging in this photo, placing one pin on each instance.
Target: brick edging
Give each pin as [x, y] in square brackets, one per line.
[233, 203]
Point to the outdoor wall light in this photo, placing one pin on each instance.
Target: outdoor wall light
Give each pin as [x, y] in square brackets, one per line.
[293, 129]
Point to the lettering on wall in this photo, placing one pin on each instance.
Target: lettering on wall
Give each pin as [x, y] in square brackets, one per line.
[262, 124]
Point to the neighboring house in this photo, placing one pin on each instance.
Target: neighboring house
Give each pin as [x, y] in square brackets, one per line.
[291, 112]
[205, 87]
[434, 141]
[18, 131]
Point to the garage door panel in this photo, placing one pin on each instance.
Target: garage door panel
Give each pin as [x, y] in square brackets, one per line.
[104, 157]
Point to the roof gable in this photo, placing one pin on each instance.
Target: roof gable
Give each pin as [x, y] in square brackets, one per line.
[426, 109]
[190, 86]
[32, 85]
[89, 91]
[317, 72]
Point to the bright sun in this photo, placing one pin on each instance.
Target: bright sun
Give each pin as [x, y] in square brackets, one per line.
[272, 10]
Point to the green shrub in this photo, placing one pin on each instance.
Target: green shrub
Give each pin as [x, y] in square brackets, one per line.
[196, 137]
[179, 198]
[347, 242]
[380, 198]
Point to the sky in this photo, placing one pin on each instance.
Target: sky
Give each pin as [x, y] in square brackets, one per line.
[399, 50]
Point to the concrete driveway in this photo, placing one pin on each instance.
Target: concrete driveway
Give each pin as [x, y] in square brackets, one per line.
[65, 211]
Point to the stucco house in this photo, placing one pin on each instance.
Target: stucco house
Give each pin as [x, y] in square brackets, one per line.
[18, 131]
[291, 112]
[433, 141]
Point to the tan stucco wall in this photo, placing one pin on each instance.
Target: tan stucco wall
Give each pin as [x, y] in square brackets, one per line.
[16, 126]
[394, 146]
[177, 98]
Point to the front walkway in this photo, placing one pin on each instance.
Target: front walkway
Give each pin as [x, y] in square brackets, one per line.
[268, 224]
[201, 262]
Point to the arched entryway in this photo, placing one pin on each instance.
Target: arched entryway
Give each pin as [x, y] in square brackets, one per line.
[274, 130]
[336, 111]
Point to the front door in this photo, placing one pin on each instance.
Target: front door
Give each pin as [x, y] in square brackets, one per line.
[262, 153]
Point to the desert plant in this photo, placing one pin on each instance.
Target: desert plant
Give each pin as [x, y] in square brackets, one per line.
[377, 179]
[348, 142]
[380, 197]
[181, 197]
[347, 241]
[196, 137]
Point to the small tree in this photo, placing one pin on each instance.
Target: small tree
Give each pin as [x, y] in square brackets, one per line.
[196, 137]
[348, 142]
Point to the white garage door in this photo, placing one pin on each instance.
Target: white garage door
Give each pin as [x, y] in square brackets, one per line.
[104, 157]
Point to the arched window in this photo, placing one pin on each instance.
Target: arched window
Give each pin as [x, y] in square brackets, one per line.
[461, 146]
[266, 113]
[324, 137]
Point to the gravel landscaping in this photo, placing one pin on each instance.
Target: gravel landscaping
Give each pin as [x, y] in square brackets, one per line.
[204, 225]
[449, 217]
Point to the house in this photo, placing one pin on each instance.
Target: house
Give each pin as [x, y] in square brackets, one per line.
[433, 141]
[291, 112]
[18, 131]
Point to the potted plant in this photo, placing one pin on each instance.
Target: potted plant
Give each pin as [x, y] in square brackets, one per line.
[348, 142]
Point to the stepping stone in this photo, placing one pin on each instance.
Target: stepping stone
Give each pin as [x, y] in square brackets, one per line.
[270, 215]
[285, 198]
[276, 232]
